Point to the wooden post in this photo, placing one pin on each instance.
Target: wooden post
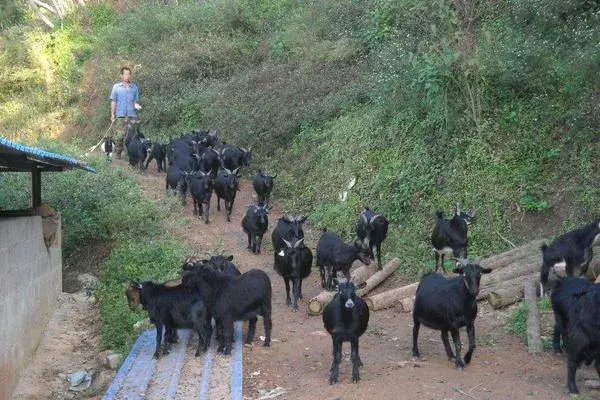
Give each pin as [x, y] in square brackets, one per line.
[534, 342]
[36, 187]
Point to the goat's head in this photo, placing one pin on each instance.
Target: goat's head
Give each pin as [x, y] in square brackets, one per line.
[133, 293]
[232, 178]
[261, 214]
[246, 155]
[347, 293]
[471, 274]
[467, 217]
[364, 254]
[292, 251]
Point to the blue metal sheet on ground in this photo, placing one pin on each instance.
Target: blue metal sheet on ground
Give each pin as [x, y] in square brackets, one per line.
[167, 374]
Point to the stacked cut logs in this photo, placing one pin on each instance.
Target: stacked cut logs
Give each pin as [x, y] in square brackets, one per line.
[511, 272]
[503, 286]
[358, 275]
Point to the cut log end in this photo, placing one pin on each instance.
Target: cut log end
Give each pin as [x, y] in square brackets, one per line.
[315, 307]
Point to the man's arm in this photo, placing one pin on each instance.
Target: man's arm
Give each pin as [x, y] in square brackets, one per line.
[113, 103]
[113, 107]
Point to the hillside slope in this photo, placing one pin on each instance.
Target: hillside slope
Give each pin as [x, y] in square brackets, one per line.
[425, 102]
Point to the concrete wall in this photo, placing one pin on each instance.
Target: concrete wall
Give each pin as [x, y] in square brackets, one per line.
[30, 282]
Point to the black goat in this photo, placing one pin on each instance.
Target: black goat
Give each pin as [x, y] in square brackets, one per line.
[334, 255]
[573, 249]
[208, 161]
[255, 223]
[263, 185]
[177, 181]
[235, 298]
[234, 157]
[138, 151]
[450, 235]
[201, 186]
[583, 334]
[293, 262]
[447, 305]
[172, 307]
[372, 229]
[562, 301]
[346, 318]
[158, 152]
[226, 187]
[288, 227]
[107, 147]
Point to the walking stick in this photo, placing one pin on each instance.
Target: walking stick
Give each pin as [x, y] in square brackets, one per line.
[91, 149]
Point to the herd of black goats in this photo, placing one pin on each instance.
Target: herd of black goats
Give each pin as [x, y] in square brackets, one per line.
[215, 288]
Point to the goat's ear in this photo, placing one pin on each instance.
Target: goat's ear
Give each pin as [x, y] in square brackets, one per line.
[230, 258]
[361, 285]
[138, 286]
[486, 270]
[458, 270]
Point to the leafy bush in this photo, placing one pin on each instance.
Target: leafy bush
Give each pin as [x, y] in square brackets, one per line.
[151, 259]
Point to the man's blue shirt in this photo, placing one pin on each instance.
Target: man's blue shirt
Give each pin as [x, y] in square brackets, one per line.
[125, 97]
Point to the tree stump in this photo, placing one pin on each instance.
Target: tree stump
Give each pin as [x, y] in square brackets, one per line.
[534, 342]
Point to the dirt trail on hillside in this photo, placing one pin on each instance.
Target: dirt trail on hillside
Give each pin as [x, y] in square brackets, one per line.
[299, 358]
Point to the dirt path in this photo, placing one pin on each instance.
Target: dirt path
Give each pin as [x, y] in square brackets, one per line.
[299, 359]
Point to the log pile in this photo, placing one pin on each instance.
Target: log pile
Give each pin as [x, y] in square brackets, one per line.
[359, 275]
[503, 286]
[512, 271]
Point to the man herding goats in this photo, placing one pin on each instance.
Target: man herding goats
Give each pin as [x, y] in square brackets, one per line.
[124, 99]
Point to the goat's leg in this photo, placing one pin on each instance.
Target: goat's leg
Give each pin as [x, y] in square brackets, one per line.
[415, 349]
[472, 344]
[300, 290]
[228, 335]
[228, 207]
[346, 272]
[250, 241]
[558, 331]
[251, 330]
[457, 347]
[268, 324]
[355, 360]
[572, 365]
[258, 243]
[378, 256]
[296, 282]
[322, 272]
[337, 359]
[446, 342]
[207, 205]
[330, 272]
[159, 332]
[219, 203]
[288, 300]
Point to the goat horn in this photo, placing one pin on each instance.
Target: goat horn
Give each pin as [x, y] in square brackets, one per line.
[298, 243]
[374, 217]
[472, 213]
[288, 244]
[364, 218]
[457, 208]
[228, 171]
[463, 261]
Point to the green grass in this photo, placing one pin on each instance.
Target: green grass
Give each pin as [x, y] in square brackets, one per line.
[517, 322]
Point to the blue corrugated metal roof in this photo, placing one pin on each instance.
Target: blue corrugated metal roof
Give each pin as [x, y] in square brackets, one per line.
[39, 157]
